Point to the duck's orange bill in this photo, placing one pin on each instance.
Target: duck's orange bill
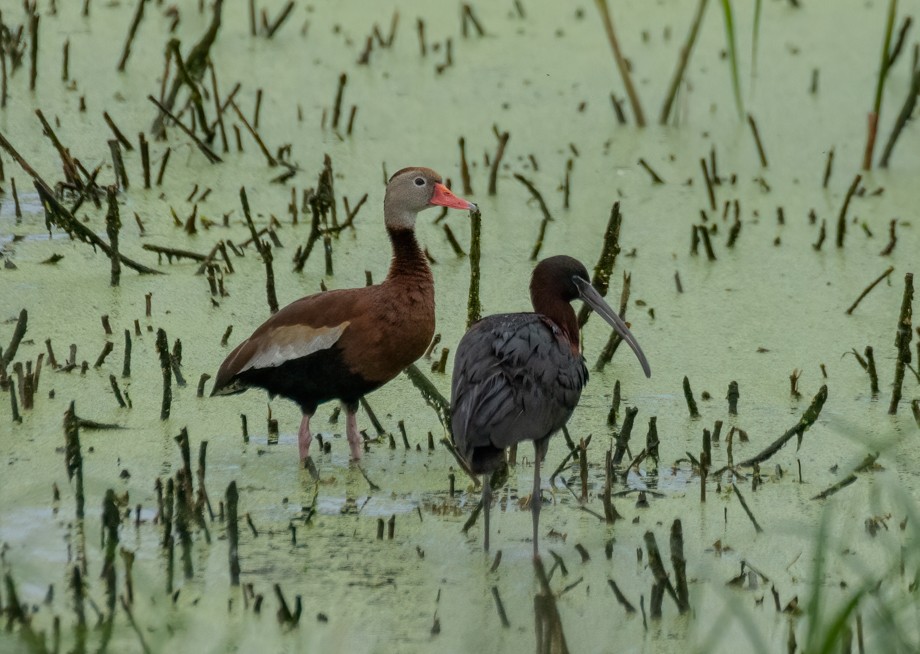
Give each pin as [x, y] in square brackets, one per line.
[443, 197]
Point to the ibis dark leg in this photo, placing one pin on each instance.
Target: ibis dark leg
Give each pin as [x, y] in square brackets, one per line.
[304, 437]
[536, 500]
[351, 430]
[486, 504]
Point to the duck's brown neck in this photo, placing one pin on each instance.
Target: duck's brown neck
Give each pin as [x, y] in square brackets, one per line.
[561, 313]
[408, 261]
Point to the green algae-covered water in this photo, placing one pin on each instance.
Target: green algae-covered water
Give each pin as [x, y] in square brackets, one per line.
[770, 305]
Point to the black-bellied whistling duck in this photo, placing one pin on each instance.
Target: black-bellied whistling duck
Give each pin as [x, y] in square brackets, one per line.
[341, 345]
[518, 376]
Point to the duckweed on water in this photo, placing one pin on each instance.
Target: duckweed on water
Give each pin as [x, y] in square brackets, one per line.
[374, 559]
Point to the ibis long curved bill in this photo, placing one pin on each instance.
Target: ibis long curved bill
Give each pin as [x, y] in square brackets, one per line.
[590, 295]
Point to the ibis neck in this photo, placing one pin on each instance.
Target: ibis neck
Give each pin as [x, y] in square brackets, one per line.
[408, 259]
[562, 314]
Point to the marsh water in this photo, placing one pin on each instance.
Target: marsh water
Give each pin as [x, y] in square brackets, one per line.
[768, 306]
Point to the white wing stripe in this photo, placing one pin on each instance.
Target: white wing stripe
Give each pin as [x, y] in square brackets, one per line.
[293, 342]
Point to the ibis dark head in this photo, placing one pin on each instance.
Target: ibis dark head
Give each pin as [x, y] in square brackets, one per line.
[557, 281]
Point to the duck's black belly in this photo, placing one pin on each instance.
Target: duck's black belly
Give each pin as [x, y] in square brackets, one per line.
[312, 380]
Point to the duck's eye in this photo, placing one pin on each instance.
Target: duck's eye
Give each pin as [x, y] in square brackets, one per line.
[419, 181]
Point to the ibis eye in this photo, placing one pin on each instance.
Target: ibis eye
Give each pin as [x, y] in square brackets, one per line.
[419, 181]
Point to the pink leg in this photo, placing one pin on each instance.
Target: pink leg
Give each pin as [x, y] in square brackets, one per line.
[351, 429]
[304, 438]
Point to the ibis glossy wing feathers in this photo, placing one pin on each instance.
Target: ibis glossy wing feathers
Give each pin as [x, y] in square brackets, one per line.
[515, 378]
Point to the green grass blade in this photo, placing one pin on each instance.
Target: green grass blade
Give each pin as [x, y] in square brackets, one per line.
[758, 5]
[732, 53]
[832, 632]
[886, 54]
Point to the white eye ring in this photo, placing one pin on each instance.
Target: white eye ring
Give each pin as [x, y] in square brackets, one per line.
[419, 181]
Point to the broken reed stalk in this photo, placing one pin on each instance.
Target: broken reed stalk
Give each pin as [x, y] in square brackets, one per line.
[473, 305]
[614, 405]
[747, 510]
[707, 242]
[132, 30]
[452, 240]
[113, 382]
[209, 154]
[106, 351]
[548, 623]
[907, 109]
[600, 280]
[710, 191]
[183, 522]
[582, 448]
[222, 129]
[543, 209]
[71, 174]
[902, 342]
[621, 598]
[869, 288]
[497, 159]
[337, 105]
[880, 85]
[162, 347]
[610, 512]
[657, 567]
[682, 60]
[651, 439]
[807, 420]
[33, 47]
[59, 215]
[679, 563]
[111, 520]
[760, 151]
[870, 368]
[656, 179]
[500, 607]
[121, 175]
[112, 227]
[14, 406]
[607, 20]
[278, 22]
[467, 16]
[265, 252]
[828, 167]
[163, 162]
[625, 432]
[272, 162]
[327, 251]
[688, 395]
[18, 614]
[893, 238]
[73, 457]
[567, 184]
[465, 169]
[866, 464]
[431, 395]
[192, 69]
[175, 253]
[18, 332]
[842, 217]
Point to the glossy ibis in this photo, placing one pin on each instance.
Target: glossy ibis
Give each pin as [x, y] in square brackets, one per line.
[518, 376]
[343, 344]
